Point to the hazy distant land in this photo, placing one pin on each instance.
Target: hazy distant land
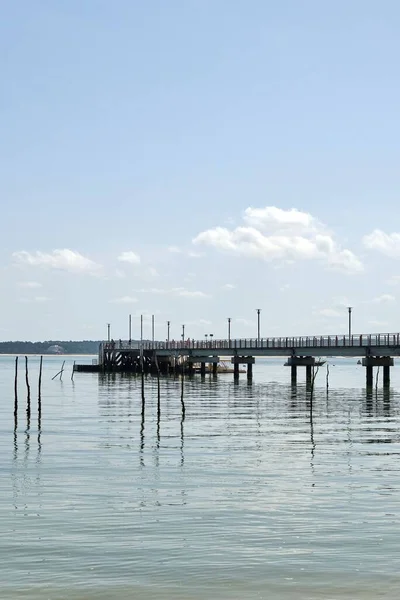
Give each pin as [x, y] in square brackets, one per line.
[50, 347]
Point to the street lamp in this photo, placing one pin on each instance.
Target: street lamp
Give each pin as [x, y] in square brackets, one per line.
[152, 328]
[168, 326]
[229, 330]
[130, 329]
[258, 324]
[108, 331]
[183, 333]
[211, 338]
[349, 308]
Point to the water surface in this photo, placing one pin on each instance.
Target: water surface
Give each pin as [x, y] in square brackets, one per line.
[245, 494]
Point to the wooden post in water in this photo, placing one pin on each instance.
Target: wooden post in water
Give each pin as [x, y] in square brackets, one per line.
[40, 392]
[59, 372]
[142, 377]
[16, 394]
[158, 387]
[73, 371]
[182, 401]
[28, 391]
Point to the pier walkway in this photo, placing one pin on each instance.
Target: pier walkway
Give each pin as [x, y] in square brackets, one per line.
[381, 344]
[191, 356]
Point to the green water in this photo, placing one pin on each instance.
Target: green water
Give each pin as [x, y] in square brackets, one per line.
[242, 497]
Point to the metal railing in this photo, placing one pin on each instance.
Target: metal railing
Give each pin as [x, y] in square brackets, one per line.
[278, 343]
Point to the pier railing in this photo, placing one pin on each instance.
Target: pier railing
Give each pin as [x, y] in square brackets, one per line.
[281, 343]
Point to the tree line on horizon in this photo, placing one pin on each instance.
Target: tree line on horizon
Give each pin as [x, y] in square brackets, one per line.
[47, 347]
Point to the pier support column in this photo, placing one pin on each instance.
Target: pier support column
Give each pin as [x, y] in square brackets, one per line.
[215, 369]
[190, 369]
[236, 371]
[203, 369]
[308, 374]
[249, 372]
[386, 376]
[370, 376]
[293, 374]
[242, 360]
[369, 362]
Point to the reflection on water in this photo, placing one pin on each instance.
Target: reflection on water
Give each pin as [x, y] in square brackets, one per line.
[201, 489]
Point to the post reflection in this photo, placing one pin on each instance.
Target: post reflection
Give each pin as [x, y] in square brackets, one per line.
[23, 469]
[142, 421]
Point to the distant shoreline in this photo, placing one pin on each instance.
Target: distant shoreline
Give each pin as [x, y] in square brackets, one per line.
[43, 354]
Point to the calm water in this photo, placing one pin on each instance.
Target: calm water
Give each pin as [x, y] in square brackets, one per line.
[244, 498]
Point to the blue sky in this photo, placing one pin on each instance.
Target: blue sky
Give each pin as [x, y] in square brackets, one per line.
[197, 160]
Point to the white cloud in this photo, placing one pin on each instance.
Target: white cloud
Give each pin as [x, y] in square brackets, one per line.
[174, 249]
[153, 291]
[129, 257]
[383, 299]
[31, 285]
[394, 280]
[273, 234]
[153, 272]
[195, 254]
[38, 299]
[124, 300]
[272, 219]
[228, 286]
[63, 260]
[178, 291]
[386, 243]
[192, 294]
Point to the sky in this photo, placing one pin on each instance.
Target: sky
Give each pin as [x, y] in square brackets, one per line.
[196, 160]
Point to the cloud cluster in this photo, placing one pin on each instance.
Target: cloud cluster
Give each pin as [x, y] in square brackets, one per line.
[129, 257]
[31, 285]
[386, 243]
[271, 234]
[63, 260]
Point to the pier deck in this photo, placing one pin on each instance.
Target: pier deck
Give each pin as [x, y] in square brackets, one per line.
[193, 355]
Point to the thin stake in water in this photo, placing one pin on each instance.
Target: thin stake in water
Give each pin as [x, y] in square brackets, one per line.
[28, 391]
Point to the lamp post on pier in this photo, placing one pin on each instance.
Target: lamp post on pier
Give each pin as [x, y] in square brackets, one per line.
[229, 330]
[258, 324]
[349, 308]
[130, 329]
[108, 332]
[152, 328]
[183, 333]
[168, 326]
[211, 339]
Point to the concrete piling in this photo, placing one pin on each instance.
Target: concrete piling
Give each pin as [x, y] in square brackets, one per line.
[293, 374]
[386, 376]
[369, 362]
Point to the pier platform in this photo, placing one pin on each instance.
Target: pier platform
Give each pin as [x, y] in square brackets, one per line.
[191, 356]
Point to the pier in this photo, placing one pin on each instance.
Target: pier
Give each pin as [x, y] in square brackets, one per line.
[191, 356]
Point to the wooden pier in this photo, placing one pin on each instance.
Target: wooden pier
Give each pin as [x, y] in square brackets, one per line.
[191, 356]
